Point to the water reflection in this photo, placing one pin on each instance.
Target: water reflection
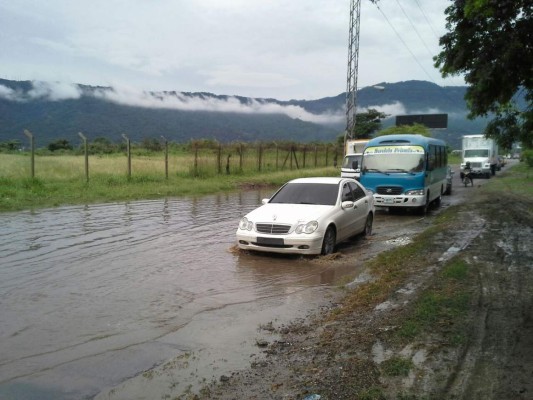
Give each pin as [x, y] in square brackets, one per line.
[82, 282]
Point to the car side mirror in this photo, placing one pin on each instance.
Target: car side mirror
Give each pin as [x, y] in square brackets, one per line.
[264, 201]
[348, 204]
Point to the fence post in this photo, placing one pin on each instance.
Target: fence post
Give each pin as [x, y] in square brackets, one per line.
[295, 157]
[166, 156]
[260, 157]
[195, 160]
[305, 152]
[277, 156]
[316, 156]
[86, 152]
[32, 145]
[327, 154]
[219, 159]
[129, 153]
[291, 152]
[241, 151]
[227, 163]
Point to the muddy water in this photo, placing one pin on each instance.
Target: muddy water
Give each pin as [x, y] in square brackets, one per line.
[91, 296]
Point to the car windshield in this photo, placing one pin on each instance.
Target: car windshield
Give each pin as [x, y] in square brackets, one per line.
[307, 193]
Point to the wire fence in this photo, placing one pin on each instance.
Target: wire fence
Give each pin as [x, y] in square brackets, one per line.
[200, 158]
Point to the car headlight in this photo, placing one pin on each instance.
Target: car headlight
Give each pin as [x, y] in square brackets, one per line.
[418, 192]
[309, 227]
[246, 225]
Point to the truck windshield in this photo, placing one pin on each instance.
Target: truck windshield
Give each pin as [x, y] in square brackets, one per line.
[348, 160]
[476, 153]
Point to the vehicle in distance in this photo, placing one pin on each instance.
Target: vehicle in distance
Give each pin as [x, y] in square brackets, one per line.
[308, 216]
[352, 159]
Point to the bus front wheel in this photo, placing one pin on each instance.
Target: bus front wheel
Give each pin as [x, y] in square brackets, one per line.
[424, 209]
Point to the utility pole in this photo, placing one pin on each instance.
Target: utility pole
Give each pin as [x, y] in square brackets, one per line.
[353, 60]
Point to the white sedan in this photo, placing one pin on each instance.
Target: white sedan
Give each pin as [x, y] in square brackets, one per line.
[308, 216]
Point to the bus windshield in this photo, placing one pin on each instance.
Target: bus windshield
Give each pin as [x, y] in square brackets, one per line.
[394, 159]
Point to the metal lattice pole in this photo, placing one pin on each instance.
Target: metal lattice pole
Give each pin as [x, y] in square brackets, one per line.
[353, 59]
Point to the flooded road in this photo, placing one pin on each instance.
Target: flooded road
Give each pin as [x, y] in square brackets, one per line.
[91, 296]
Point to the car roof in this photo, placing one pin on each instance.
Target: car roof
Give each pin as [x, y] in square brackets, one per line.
[323, 180]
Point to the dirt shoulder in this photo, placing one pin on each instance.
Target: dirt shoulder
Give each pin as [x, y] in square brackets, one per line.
[478, 346]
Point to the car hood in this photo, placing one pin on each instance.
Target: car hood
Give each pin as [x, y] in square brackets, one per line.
[287, 213]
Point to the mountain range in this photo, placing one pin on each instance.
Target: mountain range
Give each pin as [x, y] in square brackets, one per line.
[53, 111]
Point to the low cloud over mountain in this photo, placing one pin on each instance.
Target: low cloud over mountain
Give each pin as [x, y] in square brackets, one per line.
[57, 110]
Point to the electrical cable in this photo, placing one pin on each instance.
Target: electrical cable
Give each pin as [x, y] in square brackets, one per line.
[405, 44]
[414, 29]
[427, 20]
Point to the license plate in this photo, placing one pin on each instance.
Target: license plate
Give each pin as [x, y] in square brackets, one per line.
[270, 241]
[388, 201]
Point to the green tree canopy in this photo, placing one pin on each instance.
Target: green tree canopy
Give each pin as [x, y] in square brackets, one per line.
[60, 144]
[366, 124]
[491, 43]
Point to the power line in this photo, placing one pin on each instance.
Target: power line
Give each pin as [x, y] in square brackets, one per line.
[414, 28]
[427, 20]
[405, 44]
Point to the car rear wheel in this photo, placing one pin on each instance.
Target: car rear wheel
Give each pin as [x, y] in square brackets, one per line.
[368, 225]
[328, 244]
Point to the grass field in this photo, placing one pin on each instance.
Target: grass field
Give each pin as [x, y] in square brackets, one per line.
[60, 180]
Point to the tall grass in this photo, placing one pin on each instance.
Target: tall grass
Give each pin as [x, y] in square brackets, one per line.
[61, 179]
[517, 179]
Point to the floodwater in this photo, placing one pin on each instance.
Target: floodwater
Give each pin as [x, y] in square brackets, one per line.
[98, 295]
[91, 295]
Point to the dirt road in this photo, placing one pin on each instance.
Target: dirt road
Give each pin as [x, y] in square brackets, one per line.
[342, 355]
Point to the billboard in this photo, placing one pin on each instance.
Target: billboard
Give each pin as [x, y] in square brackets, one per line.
[432, 121]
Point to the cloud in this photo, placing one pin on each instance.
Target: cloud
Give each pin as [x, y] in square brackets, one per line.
[54, 91]
[269, 49]
[8, 93]
[179, 101]
[130, 96]
[395, 108]
[48, 91]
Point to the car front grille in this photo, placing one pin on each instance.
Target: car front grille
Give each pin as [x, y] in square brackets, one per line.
[392, 190]
[273, 229]
[475, 164]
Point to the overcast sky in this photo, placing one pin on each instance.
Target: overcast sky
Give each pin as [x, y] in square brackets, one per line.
[290, 49]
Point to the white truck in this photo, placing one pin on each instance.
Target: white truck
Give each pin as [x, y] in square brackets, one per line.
[481, 153]
[352, 159]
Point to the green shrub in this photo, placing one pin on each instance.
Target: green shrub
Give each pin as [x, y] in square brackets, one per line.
[527, 156]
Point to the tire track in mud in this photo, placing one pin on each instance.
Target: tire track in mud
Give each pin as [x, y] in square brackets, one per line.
[498, 363]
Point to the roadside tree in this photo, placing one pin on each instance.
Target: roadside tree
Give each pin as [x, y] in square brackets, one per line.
[60, 144]
[366, 124]
[491, 43]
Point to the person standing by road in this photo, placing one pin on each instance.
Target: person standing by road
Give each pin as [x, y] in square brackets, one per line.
[493, 162]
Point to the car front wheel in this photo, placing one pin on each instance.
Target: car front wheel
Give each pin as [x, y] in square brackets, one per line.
[328, 244]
